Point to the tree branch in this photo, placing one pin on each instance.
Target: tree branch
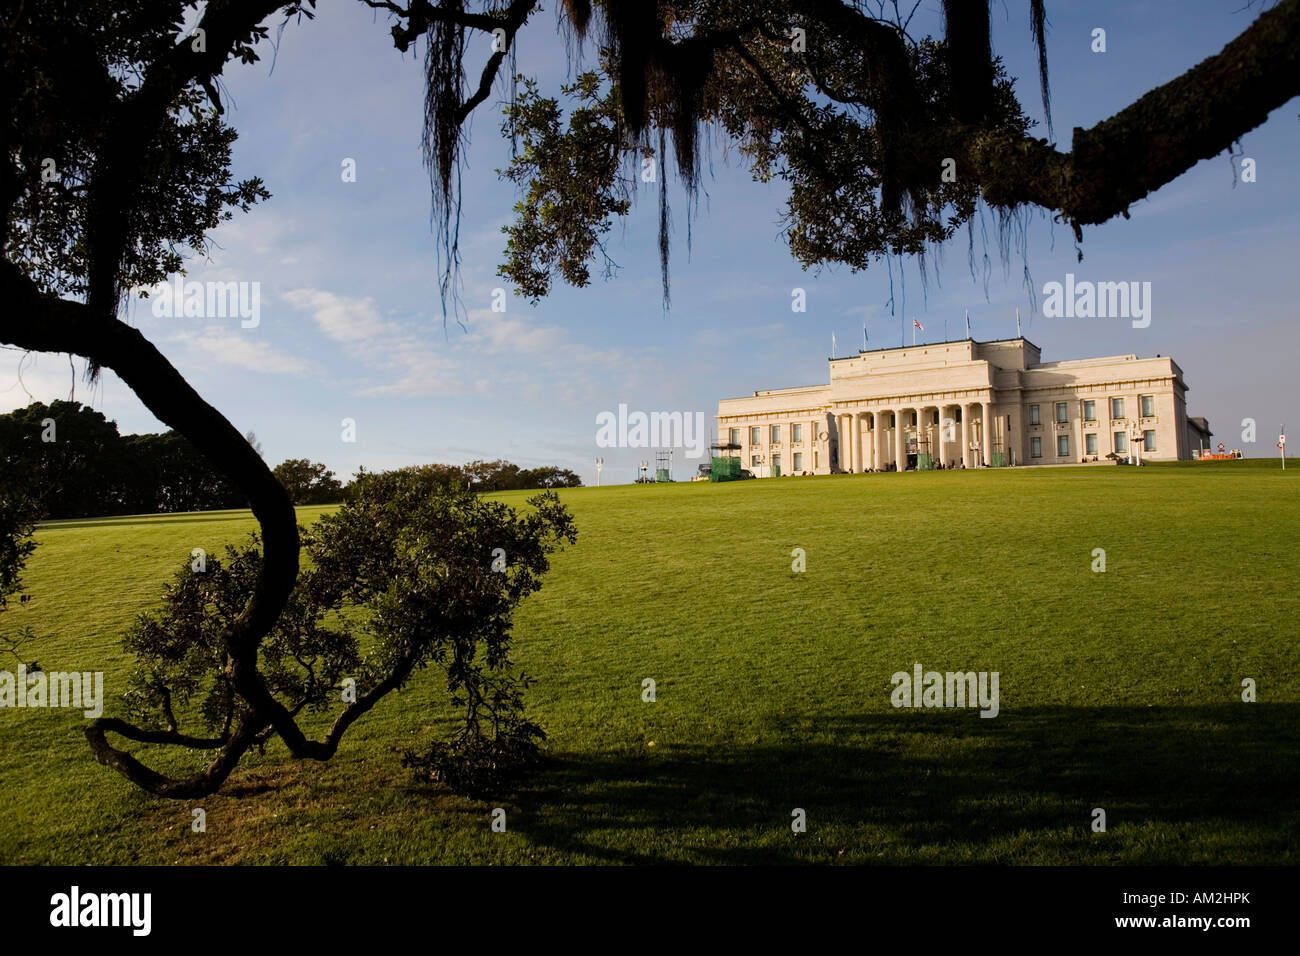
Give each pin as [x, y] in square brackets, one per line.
[45, 323]
[1196, 116]
[118, 172]
[512, 22]
[1149, 143]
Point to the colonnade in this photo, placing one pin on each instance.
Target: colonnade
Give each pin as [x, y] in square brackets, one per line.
[872, 440]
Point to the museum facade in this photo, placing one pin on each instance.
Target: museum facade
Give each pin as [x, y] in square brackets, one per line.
[964, 403]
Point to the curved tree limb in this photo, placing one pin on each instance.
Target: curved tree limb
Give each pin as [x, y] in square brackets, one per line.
[65, 326]
[118, 174]
[1149, 143]
[1196, 116]
[46, 323]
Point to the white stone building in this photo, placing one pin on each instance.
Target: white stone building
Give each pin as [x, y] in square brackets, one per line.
[964, 403]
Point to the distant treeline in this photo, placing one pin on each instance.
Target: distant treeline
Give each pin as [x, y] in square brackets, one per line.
[501, 476]
[73, 461]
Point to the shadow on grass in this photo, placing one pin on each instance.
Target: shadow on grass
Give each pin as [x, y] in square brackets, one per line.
[948, 786]
[64, 524]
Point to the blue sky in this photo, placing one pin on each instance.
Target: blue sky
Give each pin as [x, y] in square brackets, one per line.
[351, 325]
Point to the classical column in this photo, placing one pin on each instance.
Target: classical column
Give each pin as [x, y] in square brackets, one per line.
[922, 430]
[846, 443]
[938, 439]
[843, 442]
[868, 442]
[892, 416]
[920, 427]
[932, 433]
[875, 440]
[1080, 452]
[900, 444]
[990, 429]
[858, 423]
[857, 442]
[956, 434]
[882, 439]
[966, 454]
[1013, 443]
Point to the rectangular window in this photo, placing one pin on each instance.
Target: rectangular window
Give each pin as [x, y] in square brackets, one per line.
[1061, 415]
[1149, 440]
[1090, 442]
[733, 436]
[753, 461]
[1062, 446]
[798, 460]
[1121, 443]
[776, 433]
[1035, 448]
[1116, 408]
[796, 434]
[1148, 405]
[1034, 418]
[814, 461]
[1090, 411]
[753, 435]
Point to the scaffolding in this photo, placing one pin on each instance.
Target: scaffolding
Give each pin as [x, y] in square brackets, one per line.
[924, 455]
[664, 465]
[725, 465]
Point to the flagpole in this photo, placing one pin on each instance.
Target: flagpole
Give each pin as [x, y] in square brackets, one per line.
[1018, 335]
[914, 331]
[968, 323]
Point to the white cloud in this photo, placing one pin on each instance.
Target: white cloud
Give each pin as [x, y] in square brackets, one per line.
[505, 333]
[410, 366]
[36, 377]
[341, 318]
[27, 377]
[414, 373]
[547, 346]
[263, 233]
[415, 362]
[241, 350]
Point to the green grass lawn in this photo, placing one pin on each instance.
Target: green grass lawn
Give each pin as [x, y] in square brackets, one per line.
[1119, 690]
